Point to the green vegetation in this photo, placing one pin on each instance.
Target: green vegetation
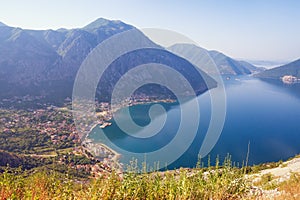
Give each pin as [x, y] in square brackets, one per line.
[59, 181]
[25, 162]
[39, 159]
[40, 139]
[25, 142]
[36, 131]
[218, 182]
[267, 182]
[262, 166]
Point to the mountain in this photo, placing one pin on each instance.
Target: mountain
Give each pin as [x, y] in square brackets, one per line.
[225, 64]
[290, 69]
[267, 63]
[191, 73]
[2, 24]
[44, 63]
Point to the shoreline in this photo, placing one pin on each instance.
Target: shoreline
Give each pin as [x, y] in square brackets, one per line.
[102, 152]
[91, 146]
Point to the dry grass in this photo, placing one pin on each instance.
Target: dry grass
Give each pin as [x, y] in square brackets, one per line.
[217, 182]
[225, 182]
[290, 189]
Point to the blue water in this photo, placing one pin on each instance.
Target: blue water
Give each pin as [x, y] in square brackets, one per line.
[265, 115]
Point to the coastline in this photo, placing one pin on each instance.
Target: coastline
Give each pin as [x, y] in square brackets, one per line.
[94, 148]
[101, 150]
[116, 154]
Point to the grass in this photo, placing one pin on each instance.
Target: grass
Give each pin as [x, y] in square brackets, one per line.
[218, 182]
[266, 182]
[222, 181]
[291, 188]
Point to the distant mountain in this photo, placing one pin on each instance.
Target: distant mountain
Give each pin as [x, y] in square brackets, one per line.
[45, 62]
[225, 64]
[267, 64]
[2, 24]
[290, 69]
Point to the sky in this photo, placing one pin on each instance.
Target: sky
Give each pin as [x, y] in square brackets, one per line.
[252, 30]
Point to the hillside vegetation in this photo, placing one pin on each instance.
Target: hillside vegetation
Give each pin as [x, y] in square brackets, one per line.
[218, 182]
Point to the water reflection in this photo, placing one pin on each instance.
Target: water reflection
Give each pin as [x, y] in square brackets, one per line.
[293, 89]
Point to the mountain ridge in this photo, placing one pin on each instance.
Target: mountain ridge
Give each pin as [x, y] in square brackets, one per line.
[2, 24]
[225, 64]
[290, 69]
[45, 62]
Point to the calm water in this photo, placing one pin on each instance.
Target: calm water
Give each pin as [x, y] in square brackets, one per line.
[264, 114]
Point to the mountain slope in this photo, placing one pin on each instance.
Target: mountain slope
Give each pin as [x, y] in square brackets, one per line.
[2, 24]
[225, 64]
[290, 69]
[45, 62]
[22, 56]
[191, 73]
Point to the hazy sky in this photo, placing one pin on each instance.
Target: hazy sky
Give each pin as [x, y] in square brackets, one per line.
[256, 29]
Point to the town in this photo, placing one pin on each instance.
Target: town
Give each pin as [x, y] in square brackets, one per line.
[44, 130]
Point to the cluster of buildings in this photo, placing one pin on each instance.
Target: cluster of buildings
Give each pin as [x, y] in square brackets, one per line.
[53, 122]
[289, 79]
[20, 99]
[59, 125]
[105, 160]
